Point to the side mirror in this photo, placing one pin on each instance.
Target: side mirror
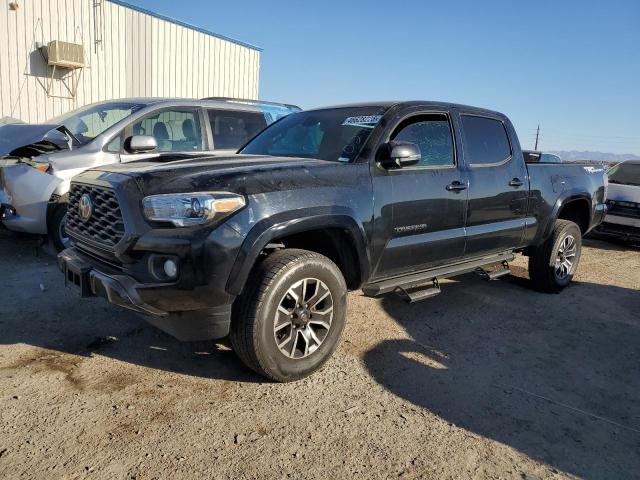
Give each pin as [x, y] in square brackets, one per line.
[403, 154]
[140, 144]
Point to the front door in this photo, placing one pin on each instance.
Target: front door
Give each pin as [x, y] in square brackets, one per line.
[421, 209]
[177, 130]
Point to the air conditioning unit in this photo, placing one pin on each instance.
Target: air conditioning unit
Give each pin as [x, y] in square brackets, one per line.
[65, 55]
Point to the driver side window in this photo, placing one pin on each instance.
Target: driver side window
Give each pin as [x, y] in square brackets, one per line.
[432, 134]
[175, 130]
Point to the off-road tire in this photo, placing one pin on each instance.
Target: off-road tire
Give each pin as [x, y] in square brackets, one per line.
[542, 259]
[53, 226]
[254, 313]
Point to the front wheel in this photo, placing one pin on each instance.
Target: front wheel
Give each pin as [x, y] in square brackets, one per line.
[56, 228]
[553, 264]
[290, 319]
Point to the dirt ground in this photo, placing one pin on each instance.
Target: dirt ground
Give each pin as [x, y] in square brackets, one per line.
[487, 380]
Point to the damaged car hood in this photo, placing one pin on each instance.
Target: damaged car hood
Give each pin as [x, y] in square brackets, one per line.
[31, 140]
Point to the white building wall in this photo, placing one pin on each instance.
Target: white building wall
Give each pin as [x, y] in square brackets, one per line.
[128, 53]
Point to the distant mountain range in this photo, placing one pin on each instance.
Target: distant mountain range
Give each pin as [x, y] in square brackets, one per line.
[573, 155]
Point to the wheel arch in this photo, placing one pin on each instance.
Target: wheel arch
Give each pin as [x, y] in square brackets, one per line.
[578, 210]
[574, 206]
[337, 236]
[54, 201]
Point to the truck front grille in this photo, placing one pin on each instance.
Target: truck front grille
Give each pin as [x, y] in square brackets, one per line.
[104, 226]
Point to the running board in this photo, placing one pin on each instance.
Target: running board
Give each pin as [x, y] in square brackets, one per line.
[419, 294]
[496, 274]
[421, 279]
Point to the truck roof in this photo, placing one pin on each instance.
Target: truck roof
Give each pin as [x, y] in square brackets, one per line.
[413, 103]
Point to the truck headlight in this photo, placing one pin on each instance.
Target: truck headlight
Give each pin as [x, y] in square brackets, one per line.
[185, 209]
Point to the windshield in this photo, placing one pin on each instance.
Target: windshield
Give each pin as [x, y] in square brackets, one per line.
[88, 122]
[625, 174]
[335, 135]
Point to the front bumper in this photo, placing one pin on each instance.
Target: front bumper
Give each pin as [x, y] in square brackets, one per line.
[89, 280]
[620, 220]
[27, 191]
[619, 231]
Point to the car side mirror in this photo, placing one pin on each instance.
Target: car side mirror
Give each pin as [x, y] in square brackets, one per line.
[402, 154]
[140, 144]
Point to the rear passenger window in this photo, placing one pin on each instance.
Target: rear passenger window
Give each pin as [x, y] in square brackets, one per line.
[232, 129]
[486, 140]
[433, 135]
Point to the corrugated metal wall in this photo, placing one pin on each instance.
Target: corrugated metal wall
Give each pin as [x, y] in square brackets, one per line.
[128, 53]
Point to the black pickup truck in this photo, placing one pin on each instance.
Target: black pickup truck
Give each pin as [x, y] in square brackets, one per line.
[264, 245]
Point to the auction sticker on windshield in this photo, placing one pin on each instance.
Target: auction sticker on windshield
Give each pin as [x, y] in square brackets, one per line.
[366, 121]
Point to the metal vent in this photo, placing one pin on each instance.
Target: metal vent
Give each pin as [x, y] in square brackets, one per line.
[105, 225]
[65, 55]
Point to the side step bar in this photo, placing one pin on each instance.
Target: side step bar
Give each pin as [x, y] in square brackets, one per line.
[422, 279]
[495, 275]
[420, 293]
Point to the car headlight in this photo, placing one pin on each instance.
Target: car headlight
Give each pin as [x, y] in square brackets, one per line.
[185, 209]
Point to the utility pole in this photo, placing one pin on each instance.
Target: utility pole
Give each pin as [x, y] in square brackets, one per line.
[537, 135]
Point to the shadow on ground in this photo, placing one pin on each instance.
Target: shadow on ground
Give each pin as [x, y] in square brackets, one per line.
[556, 377]
[38, 310]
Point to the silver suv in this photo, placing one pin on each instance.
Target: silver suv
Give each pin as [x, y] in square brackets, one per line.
[37, 162]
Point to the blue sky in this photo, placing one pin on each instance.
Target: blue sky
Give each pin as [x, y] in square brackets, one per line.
[571, 66]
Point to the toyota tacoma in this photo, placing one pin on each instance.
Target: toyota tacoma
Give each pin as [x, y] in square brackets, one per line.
[264, 245]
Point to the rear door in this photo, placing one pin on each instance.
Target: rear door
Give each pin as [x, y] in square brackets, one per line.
[498, 184]
[421, 209]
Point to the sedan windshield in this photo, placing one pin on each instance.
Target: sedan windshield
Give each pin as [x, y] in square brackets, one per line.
[335, 134]
[625, 174]
[88, 122]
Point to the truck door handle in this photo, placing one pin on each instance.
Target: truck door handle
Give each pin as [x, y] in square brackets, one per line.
[456, 186]
[516, 182]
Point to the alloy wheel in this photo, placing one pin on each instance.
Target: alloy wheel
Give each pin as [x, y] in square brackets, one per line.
[303, 318]
[565, 257]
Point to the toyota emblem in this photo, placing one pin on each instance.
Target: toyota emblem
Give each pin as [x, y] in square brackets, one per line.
[85, 207]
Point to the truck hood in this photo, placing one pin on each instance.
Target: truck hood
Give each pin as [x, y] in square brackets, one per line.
[29, 140]
[239, 173]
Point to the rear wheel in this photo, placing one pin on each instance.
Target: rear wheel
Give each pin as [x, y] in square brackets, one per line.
[56, 227]
[553, 264]
[290, 319]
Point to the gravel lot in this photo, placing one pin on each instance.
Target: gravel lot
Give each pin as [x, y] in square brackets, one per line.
[487, 380]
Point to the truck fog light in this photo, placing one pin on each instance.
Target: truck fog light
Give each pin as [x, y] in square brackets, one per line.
[170, 268]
